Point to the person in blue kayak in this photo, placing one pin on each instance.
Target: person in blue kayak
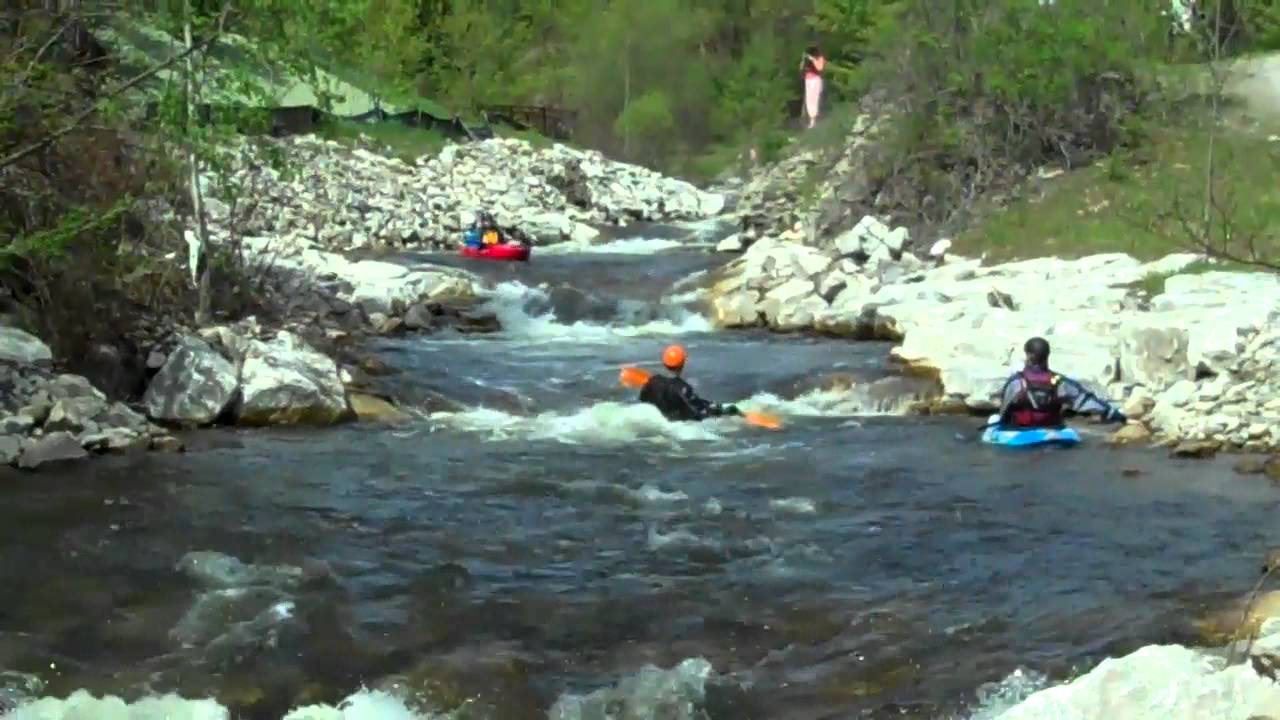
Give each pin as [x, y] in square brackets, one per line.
[1037, 397]
[674, 397]
[484, 231]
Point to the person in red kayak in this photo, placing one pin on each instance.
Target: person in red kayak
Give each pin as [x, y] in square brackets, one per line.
[1037, 397]
[674, 397]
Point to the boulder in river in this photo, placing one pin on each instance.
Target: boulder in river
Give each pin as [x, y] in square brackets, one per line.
[194, 387]
[286, 382]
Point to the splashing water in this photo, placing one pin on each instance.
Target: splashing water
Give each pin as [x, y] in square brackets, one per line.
[630, 246]
[601, 424]
[509, 302]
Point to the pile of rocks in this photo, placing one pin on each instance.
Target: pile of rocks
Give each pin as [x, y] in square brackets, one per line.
[818, 192]
[236, 375]
[1196, 362]
[786, 284]
[318, 288]
[348, 199]
[48, 417]
[241, 374]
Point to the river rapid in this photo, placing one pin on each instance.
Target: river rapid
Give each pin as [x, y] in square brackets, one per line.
[547, 547]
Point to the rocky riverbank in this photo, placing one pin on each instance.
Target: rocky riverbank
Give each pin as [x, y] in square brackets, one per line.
[353, 199]
[1192, 357]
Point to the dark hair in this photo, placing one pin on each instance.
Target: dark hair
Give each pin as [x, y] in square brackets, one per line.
[1038, 349]
[812, 50]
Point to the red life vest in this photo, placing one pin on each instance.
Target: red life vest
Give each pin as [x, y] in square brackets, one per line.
[1037, 404]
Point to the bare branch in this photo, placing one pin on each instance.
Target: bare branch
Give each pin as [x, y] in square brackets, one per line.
[75, 122]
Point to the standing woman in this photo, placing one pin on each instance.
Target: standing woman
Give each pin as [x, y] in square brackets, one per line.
[812, 66]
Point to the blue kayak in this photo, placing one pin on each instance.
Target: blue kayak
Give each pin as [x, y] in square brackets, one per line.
[994, 435]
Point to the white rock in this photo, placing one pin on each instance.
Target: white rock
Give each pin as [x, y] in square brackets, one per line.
[1161, 682]
[286, 382]
[195, 385]
[731, 244]
[23, 348]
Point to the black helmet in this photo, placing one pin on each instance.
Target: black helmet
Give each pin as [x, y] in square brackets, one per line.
[1037, 349]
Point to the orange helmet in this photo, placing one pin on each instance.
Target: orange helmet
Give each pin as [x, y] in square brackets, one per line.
[673, 357]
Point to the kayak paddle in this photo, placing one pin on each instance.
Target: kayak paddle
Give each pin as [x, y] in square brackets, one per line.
[634, 377]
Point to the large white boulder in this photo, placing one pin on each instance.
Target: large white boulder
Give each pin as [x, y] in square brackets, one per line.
[286, 382]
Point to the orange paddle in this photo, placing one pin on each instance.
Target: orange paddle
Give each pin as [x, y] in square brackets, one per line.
[636, 378]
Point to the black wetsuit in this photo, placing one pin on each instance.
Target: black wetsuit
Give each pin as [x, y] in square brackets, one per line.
[676, 400]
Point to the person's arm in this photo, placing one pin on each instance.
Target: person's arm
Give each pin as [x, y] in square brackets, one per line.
[706, 408]
[1008, 394]
[1081, 401]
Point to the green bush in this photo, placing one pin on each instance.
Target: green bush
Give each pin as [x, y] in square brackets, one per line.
[991, 89]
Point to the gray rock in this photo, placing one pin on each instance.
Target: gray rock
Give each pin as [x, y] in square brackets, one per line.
[10, 449]
[37, 407]
[74, 414]
[53, 447]
[286, 382]
[17, 425]
[116, 439]
[195, 386]
[419, 317]
[119, 415]
[74, 386]
[23, 348]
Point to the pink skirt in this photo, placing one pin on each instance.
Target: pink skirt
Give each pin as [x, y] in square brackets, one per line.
[812, 94]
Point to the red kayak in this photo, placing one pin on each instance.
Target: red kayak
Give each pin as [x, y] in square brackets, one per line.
[504, 251]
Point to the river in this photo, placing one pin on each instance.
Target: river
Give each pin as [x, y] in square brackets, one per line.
[550, 538]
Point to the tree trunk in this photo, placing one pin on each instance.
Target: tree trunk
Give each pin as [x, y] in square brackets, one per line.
[626, 96]
[198, 256]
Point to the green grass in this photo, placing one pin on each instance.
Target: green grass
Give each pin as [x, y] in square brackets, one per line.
[402, 141]
[1132, 202]
[1153, 283]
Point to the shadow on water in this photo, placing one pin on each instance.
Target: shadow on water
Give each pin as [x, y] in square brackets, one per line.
[843, 565]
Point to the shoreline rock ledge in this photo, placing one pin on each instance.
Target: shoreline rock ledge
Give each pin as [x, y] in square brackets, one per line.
[1193, 357]
[49, 417]
[238, 374]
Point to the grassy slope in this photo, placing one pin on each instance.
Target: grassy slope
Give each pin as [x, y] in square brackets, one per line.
[1133, 202]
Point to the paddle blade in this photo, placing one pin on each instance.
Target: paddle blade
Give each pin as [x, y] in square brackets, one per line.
[633, 377]
[763, 420]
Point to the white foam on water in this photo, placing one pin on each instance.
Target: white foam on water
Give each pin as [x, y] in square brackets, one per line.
[650, 694]
[997, 697]
[82, 705]
[507, 301]
[604, 424]
[794, 506]
[364, 705]
[849, 402]
[628, 246]
[652, 495]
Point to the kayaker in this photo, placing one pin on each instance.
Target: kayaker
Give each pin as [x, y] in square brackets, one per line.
[674, 397]
[1037, 397]
[486, 229]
